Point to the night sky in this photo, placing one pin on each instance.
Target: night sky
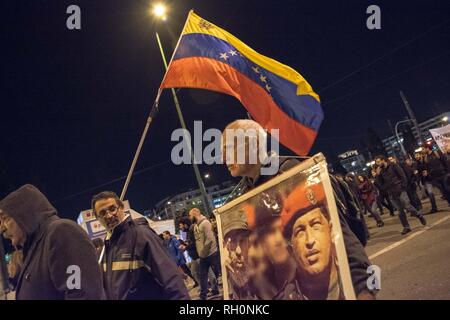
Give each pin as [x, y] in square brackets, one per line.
[74, 103]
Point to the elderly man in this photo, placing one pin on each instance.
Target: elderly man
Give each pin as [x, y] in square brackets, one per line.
[307, 225]
[59, 259]
[252, 177]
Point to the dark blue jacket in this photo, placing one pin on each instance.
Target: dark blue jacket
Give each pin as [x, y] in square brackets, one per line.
[173, 246]
[136, 265]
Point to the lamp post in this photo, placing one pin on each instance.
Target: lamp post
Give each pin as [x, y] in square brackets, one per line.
[160, 12]
[398, 138]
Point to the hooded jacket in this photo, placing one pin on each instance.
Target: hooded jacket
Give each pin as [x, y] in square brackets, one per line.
[59, 259]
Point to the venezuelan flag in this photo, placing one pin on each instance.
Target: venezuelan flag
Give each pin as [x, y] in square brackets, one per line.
[275, 95]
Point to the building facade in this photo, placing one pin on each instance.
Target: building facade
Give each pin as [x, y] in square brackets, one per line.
[173, 206]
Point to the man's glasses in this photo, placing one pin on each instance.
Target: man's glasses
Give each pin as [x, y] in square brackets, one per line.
[111, 209]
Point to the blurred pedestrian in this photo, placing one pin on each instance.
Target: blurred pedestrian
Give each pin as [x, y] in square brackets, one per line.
[189, 246]
[392, 178]
[173, 246]
[54, 250]
[383, 199]
[369, 196]
[207, 248]
[435, 171]
[412, 177]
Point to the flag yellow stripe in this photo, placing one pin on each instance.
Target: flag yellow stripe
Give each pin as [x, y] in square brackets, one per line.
[197, 24]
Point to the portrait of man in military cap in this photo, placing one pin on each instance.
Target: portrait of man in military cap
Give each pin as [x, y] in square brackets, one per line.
[236, 244]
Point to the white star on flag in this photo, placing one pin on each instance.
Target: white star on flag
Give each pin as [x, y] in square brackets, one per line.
[262, 78]
[256, 69]
[224, 56]
[268, 87]
[233, 53]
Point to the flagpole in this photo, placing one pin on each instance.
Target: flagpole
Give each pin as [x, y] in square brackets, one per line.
[183, 124]
[152, 114]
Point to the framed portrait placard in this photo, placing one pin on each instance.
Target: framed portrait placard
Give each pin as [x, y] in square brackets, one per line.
[283, 239]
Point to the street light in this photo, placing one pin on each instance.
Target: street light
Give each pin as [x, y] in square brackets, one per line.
[160, 11]
[445, 119]
[207, 175]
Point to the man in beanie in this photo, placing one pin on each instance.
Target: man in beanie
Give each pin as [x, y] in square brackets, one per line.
[308, 227]
[60, 261]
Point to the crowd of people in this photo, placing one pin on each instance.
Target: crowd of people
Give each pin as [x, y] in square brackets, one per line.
[395, 185]
[133, 262]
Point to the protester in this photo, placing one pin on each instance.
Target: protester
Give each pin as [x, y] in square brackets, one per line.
[54, 250]
[205, 241]
[369, 196]
[251, 178]
[135, 263]
[189, 246]
[383, 198]
[412, 177]
[392, 178]
[173, 246]
[426, 181]
[352, 183]
[435, 171]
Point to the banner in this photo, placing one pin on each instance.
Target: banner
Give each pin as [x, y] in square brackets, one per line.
[283, 240]
[442, 137]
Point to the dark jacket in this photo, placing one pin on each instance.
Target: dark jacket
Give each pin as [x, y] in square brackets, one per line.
[392, 179]
[173, 246]
[357, 258]
[421, 167]
[52, 246]
[190, 243]
[435, 165]
[137, 266]
[411, 177]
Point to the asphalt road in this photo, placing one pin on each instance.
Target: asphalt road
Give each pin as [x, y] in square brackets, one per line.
[417, 265]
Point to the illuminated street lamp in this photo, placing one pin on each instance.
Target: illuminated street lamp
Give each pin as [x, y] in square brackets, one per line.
[160, 11]
[445, 119]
